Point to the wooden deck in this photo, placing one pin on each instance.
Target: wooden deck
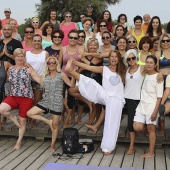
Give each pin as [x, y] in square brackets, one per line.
[41, 131]
[34, 153]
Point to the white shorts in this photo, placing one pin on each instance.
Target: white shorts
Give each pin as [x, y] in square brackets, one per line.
[145, 119]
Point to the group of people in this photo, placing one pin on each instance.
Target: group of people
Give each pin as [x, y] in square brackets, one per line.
[110, 68]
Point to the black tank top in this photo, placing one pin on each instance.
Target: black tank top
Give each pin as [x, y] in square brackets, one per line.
[56, 25]
[3, 76]
[95, 76]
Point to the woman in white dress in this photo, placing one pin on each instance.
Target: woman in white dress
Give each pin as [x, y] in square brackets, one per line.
[110, 94]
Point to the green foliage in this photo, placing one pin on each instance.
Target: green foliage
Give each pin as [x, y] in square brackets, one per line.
[22, 26]
[76, 7]
[164, 26]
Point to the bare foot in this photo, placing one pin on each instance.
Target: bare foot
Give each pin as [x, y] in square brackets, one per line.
[147, 155]
[79, 121]
[91, 127]
[52, 149]
[65, 126]
[130, 151]
[17, 146]
[106, 153]
[16, 122]
[69, 67]
[50, 123]
[161, 133]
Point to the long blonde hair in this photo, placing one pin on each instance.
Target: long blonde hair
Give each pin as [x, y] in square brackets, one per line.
[47, 72]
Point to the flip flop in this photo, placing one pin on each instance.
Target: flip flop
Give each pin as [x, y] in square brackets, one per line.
[161, 111]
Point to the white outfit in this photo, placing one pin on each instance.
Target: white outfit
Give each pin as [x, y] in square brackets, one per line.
[133, 84]
[151, 91]
[37, 61]
[99, 38]
[112, 96]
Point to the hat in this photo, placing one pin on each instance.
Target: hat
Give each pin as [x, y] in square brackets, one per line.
[7, 9]
[89, 6]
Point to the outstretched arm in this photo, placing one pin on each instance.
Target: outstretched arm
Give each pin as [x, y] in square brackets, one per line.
[97, 55]
[95, 69]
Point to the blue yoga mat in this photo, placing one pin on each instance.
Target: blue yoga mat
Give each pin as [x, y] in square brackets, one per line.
[56, 166]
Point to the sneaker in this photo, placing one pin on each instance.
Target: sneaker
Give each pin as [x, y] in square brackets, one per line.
[161, 111]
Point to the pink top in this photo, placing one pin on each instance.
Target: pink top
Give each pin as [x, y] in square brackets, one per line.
[66, 29]
[66, 57]
[26, 48]
[39, 32]
[5, 21]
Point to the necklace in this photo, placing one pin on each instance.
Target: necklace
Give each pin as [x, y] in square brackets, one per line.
[134, 71]
[106, 48]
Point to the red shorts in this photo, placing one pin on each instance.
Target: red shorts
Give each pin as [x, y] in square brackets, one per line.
[22, 103]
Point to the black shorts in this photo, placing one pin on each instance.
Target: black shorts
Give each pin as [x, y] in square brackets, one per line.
[48, 110]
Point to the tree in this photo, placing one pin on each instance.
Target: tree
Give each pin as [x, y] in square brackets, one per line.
[21, 27]
[76, 7]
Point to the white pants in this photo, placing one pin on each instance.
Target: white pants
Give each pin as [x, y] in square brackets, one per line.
[94, 92]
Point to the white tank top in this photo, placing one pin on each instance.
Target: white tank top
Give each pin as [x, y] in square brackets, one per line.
[99, 38]
[37, 61]
[112, 83]
[133, 84]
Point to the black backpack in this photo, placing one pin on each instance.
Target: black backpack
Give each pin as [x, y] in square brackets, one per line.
[70, 142]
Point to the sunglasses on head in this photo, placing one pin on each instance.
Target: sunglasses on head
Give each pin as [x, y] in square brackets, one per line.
[132, 58]
[68, 16]
[103, 25]
[31, 32]
[82, 36]
[35, 22]
[73, 38]
[163, 41]
[51, 63]
[104, 38]
[131, 41]
[56, 36]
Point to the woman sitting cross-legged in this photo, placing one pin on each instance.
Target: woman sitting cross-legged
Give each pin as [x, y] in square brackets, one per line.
[52, 102]
[21, 94]
[110, 94]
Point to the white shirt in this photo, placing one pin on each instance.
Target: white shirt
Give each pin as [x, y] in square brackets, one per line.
[133, 84]
[151, 91]
[37, 61]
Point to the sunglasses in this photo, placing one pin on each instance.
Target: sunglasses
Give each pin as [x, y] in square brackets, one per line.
[73, 38]
[163, 41]
[51, 63]
[104, 38]
[93, 39]
[82, 17]
[132, 58]
[56, 36]
[131, 42]
[68, 16]
[103, 25]
[82, 36]
[31, 32]
[35, 22]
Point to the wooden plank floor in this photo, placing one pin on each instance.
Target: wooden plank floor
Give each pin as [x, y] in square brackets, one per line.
[41, 130]
[34, 155]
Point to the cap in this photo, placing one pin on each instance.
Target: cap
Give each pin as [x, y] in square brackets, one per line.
[89, 6]
[7, 9]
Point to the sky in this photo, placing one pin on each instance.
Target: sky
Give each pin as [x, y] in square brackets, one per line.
[22, 9]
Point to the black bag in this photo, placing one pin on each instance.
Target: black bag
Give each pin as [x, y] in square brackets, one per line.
[85, 145]
[70, 143]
